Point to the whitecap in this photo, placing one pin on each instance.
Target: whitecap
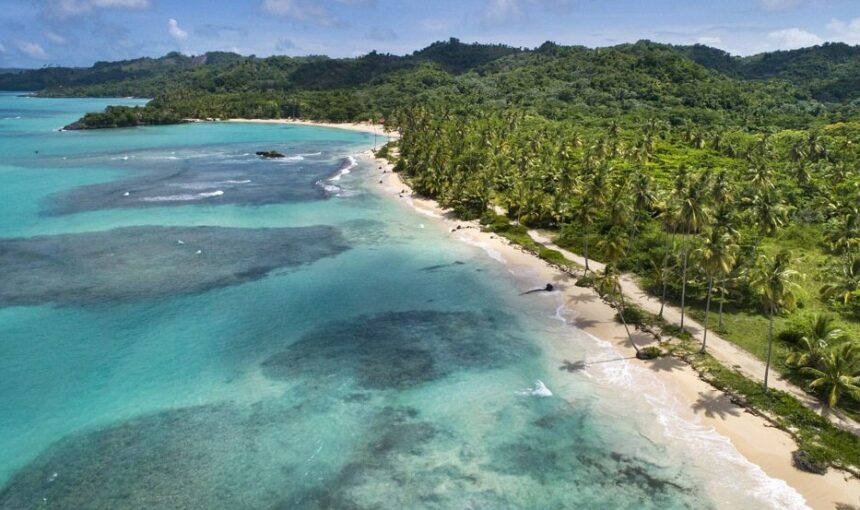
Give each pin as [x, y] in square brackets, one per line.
[351, 163]
[538, 390]
[208, 184]
[183, 198]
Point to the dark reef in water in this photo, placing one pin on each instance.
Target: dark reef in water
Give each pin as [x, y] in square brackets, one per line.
[216, 457]
[134, 263]
[398, 350]
[264, 455]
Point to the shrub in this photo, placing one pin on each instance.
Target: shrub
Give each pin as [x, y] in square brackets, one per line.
[790, 336]
[585, 281]
[650, 352]
[553, 256]
[809, 462]
[676, 331]
[633, 315]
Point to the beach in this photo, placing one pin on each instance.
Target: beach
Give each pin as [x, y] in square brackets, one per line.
[365, 127]
[755, 438]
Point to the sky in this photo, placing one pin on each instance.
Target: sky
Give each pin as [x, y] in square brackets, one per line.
[36, 33]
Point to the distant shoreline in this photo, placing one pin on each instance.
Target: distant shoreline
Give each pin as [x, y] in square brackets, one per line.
[756, 439]
[365, 127]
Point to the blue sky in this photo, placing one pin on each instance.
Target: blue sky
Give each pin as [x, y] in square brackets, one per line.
[34, 33]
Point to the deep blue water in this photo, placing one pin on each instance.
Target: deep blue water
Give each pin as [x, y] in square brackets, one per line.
[186, 325]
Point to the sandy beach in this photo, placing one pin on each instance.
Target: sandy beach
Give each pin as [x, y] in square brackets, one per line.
[756, 439]
[366, 127]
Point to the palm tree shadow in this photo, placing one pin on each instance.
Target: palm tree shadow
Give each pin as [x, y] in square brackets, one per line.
[641, 338]
[666, 364]
[716, 405]
[583, 323]
[562, 277]
[846, 506]
[582, 298]
[575, 366]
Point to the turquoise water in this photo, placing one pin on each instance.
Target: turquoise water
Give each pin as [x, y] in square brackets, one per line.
[296, 341]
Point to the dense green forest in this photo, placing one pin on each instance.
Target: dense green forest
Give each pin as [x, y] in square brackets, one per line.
[729, 185]
[628, 82]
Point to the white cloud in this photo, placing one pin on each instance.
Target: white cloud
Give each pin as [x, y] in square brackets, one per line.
[497, 12]
[779, 5]
[69, 8]
[503, 11]
[299, 10]
[848, 32]
[175, 30]
[55, 38]
[793, 38]
[709, 40]
[31, 49]
[2, 48]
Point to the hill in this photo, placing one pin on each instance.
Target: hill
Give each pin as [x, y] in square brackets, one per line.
[625, 82]
[829, 72]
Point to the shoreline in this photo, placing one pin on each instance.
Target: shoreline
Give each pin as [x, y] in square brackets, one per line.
[364, 127]
[753, 437]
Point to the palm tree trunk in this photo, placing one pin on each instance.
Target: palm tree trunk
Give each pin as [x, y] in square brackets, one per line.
[722, 298]
[769, 347]
[585, 251]
[624, 319]
[684, 281]
[707, 313]
[663, 275]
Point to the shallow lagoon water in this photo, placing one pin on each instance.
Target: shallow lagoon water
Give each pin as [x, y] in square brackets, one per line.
[383, 365]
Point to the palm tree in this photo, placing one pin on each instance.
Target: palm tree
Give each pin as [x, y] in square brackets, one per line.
[669, 218]
[593, 195]
[774, 282]
[717, 257]
[614, 245]
[821, 333]
[843, 280]
[692, 218]
[643, 200]
[839, 373]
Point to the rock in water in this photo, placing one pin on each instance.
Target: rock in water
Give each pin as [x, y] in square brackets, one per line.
[270, 154]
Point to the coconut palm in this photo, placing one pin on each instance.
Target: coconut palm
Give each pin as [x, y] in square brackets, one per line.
[614, 245]
[843, 231]
[766, 211]
[643, 200]
[692, 217]
[821, 333]
[839, 373]
[592, 199]
[717, 257]
[775, 283]
[843, 280]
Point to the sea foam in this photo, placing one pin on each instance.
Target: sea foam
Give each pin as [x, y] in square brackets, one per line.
[183, 197]
[345, 169]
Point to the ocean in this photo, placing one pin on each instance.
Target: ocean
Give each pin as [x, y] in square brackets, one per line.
[186, 325]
